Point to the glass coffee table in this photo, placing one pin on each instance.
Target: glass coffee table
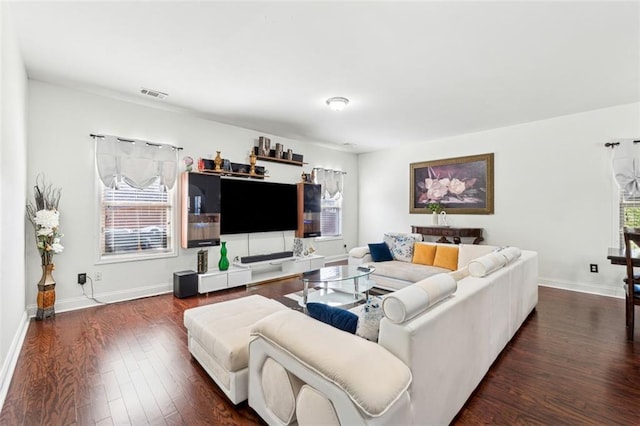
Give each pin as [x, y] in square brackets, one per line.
[337, 285]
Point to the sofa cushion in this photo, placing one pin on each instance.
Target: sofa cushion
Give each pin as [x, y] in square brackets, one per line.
[335, 317]
[446, 257]
[401, 245]
[411, 272]
[370, 375]
[407, 303]
[424, 254]
[380, 252]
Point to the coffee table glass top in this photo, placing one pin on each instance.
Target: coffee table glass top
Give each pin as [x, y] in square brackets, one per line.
[337, 273]
[338, 285]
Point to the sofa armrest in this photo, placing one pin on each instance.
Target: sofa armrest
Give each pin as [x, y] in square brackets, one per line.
[359, 255]
[365, 374]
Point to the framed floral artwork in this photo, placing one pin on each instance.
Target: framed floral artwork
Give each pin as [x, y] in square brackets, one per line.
[462, 185]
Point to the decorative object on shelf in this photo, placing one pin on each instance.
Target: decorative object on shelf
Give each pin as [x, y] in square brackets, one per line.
[443, 219]
[223, 263]
[290, 154]
[279, 150]
[218, 162]
[435, 208]
[264, 146]
[297, 247]
[462, 185]
[188, 163]
[279, 156]
[43, 215]
[252, 163]
[207, 166]
[203, 261]
[310, 249]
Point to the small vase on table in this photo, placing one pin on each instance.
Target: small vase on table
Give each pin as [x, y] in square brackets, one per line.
[223, 263]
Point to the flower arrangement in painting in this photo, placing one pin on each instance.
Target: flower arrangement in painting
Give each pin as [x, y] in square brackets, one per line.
[437, 190]
[45, 218]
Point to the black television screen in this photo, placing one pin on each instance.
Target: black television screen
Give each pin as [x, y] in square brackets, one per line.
[257, 206]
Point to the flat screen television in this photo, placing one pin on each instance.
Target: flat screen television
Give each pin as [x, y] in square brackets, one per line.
[256, 206]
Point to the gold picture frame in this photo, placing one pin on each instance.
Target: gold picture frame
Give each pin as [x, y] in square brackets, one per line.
[461, 185]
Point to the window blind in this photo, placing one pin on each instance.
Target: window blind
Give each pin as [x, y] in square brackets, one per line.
[135, 220]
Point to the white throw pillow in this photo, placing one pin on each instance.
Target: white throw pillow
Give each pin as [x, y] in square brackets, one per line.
[469, 252]
[369, 318]
[412, 300]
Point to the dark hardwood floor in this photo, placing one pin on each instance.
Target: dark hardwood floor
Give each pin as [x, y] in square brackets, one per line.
[128, 363]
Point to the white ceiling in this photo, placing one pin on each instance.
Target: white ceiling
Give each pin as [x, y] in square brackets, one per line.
[413, 71]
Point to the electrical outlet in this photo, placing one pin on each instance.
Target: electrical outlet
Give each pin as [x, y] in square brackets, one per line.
[594, 268]
[98, 276]
[82, 278]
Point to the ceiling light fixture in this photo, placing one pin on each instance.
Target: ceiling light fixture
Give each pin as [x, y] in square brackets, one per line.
[337, 103]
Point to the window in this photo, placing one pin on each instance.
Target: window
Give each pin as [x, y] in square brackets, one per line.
[629, 214]
[332, 195]
[136, 223]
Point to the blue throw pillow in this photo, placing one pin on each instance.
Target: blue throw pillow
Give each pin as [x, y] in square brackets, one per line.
[380, 252]
[336, 317]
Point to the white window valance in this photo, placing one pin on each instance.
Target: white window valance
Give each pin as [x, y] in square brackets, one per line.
[626, 167]
[332, 182]
[136, 162]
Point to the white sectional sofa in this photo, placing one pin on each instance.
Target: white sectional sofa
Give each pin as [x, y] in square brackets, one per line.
[402, 270]
[420, 372]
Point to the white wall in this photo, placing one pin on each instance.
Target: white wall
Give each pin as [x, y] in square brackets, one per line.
[60, 121]
[554, 192]
[13, 96]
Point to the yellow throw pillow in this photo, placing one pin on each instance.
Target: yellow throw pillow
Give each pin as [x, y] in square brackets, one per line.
[446, 257]
[424, 253]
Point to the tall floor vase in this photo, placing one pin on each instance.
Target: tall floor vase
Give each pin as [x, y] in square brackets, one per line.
[46, 293]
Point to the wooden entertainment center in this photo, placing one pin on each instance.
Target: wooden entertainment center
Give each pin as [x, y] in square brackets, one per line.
[240, 274]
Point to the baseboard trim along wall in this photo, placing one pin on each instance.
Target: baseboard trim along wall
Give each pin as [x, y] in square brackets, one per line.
[583, 288]
[11, 360]
[83, 302]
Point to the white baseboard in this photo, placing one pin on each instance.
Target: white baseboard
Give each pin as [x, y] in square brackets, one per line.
[584, 288]
[72, 304]
[9, 365]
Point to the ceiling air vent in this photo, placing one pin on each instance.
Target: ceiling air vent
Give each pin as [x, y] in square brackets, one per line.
[153, 93]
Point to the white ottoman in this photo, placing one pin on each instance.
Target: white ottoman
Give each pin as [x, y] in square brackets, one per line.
[218, 338]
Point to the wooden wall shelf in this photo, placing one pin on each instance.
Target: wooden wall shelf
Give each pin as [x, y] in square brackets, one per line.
[228, 173]
[277, 160]
[280, 160]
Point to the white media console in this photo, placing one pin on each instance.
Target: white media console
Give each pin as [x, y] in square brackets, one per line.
[240, 274]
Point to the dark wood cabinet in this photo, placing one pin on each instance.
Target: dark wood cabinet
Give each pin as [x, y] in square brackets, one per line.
[445, 231]
[200, 204]
[309, 210]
